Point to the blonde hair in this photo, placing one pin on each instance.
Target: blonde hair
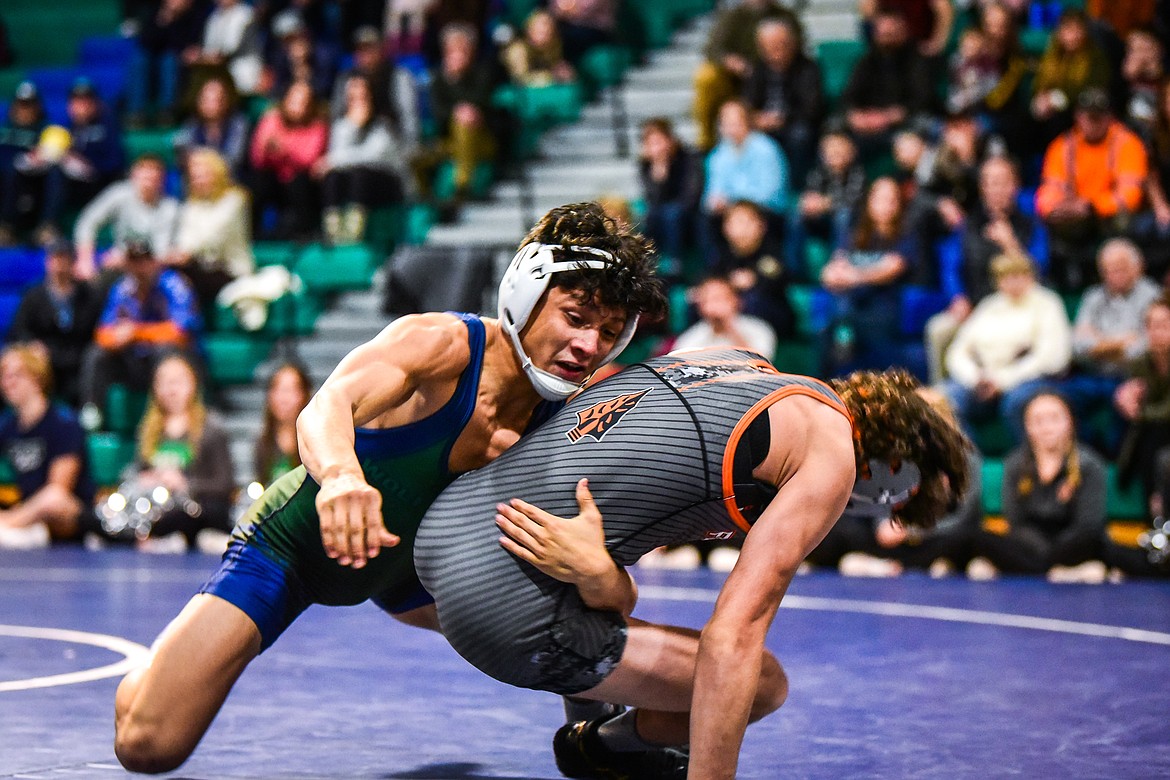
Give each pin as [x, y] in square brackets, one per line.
[150, 430]
[222, 177]
[1012, 263]
[34, 356]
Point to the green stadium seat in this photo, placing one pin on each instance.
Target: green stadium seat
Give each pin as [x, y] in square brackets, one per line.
[816, 257]
[481, 180]
[276, 253]
[325, 270]
[837, 59]
[797, 357]
[1127, 504]
[140, 142]
[993, 437]
[232, 358]
[124, 409]
[993, 486]
[603, 66]
[109, 455]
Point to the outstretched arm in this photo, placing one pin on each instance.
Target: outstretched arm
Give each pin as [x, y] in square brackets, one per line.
[382, 376]
[731, 646]
[571, 550]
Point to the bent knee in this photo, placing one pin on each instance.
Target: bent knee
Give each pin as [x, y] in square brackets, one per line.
[144, 749]
[772, 689]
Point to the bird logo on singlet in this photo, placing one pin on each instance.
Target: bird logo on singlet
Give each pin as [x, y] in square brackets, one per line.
[599, 419]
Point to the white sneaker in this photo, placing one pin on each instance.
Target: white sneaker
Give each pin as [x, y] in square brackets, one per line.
[940, 568]
[171, 544]
[981, 570]
[212, 541]
[861, 565]
[1087, 573]
[685, 558]
[30, 537]
[722, 559]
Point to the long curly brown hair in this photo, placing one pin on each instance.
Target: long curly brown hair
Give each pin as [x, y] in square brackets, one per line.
[892, 423]
[630, 284]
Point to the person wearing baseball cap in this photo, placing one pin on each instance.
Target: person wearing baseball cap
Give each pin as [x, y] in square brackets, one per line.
[19, 135]
[1093, 181]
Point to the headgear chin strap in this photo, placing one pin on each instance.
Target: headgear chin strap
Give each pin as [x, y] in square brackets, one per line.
[882, 494]
[526, 279]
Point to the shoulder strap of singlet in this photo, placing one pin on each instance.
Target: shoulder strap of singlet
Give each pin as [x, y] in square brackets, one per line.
[448, 421]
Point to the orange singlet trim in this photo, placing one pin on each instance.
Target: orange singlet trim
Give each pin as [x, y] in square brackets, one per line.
[737, 432]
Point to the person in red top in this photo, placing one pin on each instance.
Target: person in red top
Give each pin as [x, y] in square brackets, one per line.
[289, 139]
[1093, 181]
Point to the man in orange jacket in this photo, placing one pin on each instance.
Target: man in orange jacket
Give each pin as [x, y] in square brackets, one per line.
[1093, 181]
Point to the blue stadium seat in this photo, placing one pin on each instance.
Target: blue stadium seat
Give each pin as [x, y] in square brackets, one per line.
[106, 50]
[9, 302]
[918, 305]
[20, 268]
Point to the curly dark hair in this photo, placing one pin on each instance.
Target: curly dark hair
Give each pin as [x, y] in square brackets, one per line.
[630, 284]
[892, 422]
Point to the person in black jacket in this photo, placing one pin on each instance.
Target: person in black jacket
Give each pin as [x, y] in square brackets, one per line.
[672, 182]
[890, 84]
[785, 94]
[60, 313]
[170, 39]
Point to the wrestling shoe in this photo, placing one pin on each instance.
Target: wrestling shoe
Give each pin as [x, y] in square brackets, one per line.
[580, 753]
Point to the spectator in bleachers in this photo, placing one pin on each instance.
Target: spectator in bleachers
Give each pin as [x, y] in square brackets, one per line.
[1152, 228]
[216, 124]
[728, 59]
[947, 186]
[785, 93]
[442, 13]
[184, 447]
[297, 58]
[405, 23]
[1143, 400]
[395, 95]
[19, 135]
[461, 95]
[928, 22]
[1093, 182]
[287, 393]
[151, 311]
[753, 262]
[1053, 502]
[866, 277]
[1143, 72]
[1005, 109]
[722, 322]
[361, 169]
[584, 24]
[672, 183]
[1072, 64]
[289, 139]
[1015, 342]
[136, 208]
[974, 72]
[231, 46]
[73, 164]
[537, 59]
[1109, 331]
[832, 193]
[168, 42]
[213, 245]
[744, 165]
[890, 83]
[45, 447]
[1122, 16]
[996, 226]
[60, 313]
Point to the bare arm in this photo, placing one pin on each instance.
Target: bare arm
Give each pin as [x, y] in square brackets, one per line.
[732, 643]
[571, 550]
[387, 376]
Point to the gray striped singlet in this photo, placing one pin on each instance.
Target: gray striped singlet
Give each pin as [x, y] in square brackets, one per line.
[657, 443]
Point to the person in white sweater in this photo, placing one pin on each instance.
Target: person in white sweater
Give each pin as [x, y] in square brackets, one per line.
[722, 323]
[137, 209]
[1015, 343]
[213, 244]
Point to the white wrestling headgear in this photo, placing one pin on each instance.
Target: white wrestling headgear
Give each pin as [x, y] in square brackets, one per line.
[884, 492]
[525, 281]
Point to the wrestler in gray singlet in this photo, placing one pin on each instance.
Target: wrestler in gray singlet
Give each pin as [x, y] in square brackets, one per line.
[668, 447]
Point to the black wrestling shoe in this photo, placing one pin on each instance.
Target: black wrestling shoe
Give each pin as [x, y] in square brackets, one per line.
[580, 753]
